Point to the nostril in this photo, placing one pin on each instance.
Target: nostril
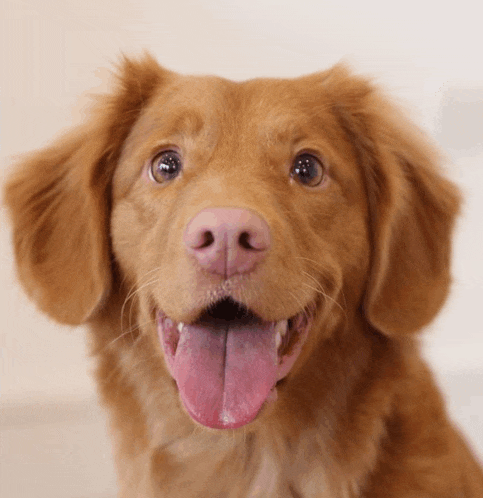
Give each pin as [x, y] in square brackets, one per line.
[207, 239]
[244, 240]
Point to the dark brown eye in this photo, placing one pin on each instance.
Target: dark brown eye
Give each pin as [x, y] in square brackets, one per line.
[165, 166]
[307, 170]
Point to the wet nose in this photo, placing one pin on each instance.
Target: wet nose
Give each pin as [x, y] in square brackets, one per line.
[227, 241]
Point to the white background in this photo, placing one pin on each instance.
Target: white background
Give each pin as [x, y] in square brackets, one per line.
[427, 54]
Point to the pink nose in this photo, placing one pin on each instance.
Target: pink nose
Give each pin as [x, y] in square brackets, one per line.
[227, 241]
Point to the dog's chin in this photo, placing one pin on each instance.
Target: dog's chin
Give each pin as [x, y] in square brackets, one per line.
[228, 362]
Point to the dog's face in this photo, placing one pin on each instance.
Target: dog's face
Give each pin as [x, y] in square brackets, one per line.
[242, 225]
[208, 163]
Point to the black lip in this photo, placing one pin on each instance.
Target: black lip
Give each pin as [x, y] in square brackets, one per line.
[228, 310]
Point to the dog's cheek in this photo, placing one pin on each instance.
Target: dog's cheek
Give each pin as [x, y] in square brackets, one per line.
[342, 230]
[128, 237]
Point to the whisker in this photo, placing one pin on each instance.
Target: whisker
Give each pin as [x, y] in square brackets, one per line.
[297, 299]
[119, 364]
[325, 295]
[129, 331]
[131, 298]
[318, 264]
[320, 290]
[134, 289]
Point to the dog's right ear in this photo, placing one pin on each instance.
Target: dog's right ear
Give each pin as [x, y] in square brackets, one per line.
[59, 201]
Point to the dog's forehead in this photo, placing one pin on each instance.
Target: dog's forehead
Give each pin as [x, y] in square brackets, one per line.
[276, 110]
[213, 91]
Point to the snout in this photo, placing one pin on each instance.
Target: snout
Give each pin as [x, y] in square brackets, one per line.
[227, 241]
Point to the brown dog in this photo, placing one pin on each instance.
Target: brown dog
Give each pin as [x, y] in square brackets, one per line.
[254, 261]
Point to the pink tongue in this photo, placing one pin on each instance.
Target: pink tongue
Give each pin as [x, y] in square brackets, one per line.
[225, 373]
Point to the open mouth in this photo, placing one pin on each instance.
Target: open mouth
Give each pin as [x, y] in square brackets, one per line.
[228, 362]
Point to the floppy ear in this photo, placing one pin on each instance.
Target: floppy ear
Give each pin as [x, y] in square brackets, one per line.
[412, 210]
[59, 202]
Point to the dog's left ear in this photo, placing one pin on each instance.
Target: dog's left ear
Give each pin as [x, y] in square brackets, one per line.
[412, 209]
[59, 202]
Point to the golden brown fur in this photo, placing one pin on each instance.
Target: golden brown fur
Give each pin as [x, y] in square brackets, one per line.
[359, 414]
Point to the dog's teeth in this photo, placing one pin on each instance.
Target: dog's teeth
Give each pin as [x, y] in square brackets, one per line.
[280, 330]
[180, 327]
[281, 327]
[278, 340]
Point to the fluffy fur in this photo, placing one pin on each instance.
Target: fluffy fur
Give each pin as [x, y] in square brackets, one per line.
[97, 242]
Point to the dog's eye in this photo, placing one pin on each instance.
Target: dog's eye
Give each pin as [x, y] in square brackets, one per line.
[165, 166]
[308, 170]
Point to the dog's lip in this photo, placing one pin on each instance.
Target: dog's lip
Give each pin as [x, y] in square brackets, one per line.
[291, 342]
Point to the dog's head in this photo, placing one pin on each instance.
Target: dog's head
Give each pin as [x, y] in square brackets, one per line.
[249, 221]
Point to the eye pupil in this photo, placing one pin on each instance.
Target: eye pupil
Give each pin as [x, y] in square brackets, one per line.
[308, 170]
[165, 166]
